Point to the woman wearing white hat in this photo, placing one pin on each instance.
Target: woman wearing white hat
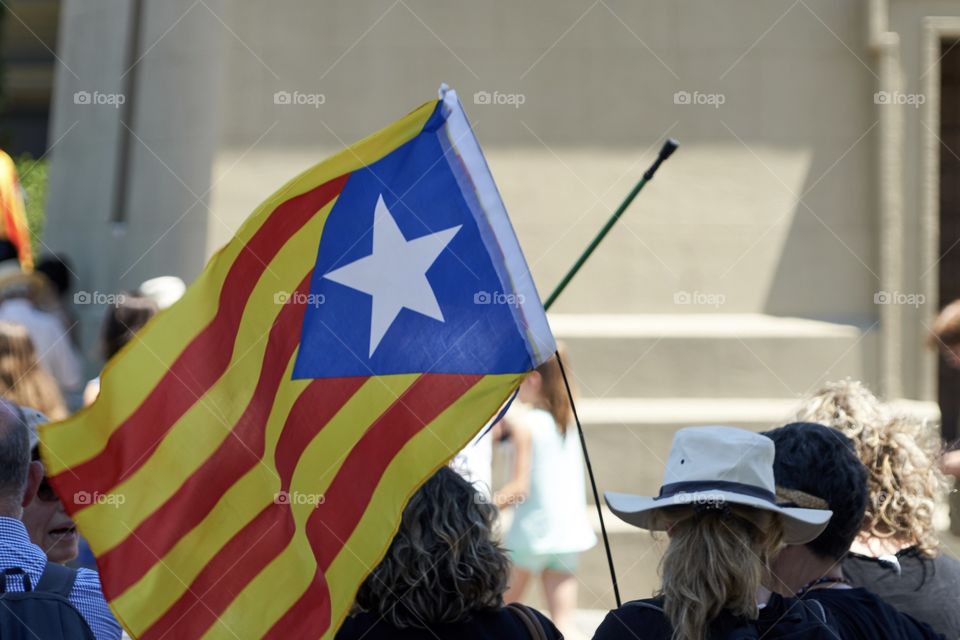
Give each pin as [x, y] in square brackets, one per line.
[719, 508]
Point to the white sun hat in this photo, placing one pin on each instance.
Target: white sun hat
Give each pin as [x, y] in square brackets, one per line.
[712, 467]
[164, 290]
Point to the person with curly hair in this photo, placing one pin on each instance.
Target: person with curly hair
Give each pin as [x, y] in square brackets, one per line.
[444, 575]
[896, 554]
[816, 466]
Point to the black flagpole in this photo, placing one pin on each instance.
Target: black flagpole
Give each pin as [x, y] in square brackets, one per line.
[593, 482]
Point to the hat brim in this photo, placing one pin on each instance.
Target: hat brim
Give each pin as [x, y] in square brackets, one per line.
[800, 525]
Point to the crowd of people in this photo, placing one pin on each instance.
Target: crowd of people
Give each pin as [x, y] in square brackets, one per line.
[821, 528]
[48, 580]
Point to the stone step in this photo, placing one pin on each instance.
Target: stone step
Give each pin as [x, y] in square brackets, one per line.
[711, 355]
[628, 439]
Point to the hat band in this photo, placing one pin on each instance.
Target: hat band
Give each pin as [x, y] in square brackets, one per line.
[693, 486]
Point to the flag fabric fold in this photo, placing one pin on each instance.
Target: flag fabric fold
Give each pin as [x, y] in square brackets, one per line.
[252, 449]
[13, 214]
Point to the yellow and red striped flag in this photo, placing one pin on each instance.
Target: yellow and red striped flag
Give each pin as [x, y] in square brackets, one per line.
[251, 451]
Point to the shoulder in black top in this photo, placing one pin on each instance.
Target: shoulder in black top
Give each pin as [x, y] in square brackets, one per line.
[780, 619]
[486, 625]
[857, 613]
[928, 590]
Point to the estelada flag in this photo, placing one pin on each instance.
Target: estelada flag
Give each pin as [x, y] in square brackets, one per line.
[13, 215]
[252, 449]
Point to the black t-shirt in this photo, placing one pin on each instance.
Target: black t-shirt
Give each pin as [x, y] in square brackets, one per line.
[781, 619]
[928, 590]
[858, 614]
[485, 625]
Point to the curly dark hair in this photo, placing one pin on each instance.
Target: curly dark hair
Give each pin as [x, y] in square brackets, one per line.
[823, 462]
[443, 563]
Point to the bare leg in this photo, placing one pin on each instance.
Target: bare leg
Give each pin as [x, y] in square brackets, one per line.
[518, 584]
[560, 588]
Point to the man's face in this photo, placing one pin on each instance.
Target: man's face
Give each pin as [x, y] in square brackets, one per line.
[782, 568]
[49, 526]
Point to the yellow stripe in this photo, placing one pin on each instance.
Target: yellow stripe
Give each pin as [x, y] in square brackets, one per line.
[130, 376]
[295, 567]
[147, 600]
[204, 427]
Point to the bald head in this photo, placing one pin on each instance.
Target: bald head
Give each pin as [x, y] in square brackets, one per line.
[14, 458]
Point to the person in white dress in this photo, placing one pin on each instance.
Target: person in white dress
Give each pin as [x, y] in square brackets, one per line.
[550, 526]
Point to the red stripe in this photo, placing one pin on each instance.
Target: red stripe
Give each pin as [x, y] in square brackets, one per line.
[349, 495]
[243, 448]
[201, 363]
[254, 546]
[225, 576]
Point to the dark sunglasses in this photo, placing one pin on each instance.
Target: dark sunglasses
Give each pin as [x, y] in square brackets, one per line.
[45, 492]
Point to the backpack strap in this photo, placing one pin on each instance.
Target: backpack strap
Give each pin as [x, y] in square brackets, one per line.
[14, 571]
[57, 579]
[820, 612]
[529, 620]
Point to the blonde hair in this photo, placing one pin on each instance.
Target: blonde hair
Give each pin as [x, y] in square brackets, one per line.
[716, 560]
[23, 379]
[900, 452]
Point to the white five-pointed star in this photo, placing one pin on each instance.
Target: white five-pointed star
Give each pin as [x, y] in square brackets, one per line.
[395, 274]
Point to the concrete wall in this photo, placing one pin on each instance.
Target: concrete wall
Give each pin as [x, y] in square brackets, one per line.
[921, 148]
[163, 106]
[598, 83]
